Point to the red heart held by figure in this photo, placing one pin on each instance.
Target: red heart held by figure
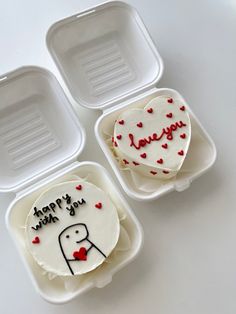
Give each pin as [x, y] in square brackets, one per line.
[81, 254]
[79, 187]
[98, 205]
[36, 240]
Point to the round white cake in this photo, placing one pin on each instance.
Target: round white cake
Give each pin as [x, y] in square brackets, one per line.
[153, 140]
[72, 228]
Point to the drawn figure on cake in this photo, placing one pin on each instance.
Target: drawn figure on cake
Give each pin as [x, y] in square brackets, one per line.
[76, 246]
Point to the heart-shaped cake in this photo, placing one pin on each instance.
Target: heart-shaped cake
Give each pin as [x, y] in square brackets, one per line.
[153, 140]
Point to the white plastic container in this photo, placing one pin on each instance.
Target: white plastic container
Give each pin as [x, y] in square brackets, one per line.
[40, 140]
[109, 62]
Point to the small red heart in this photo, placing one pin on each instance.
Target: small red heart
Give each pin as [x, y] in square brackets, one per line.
[98, 205]
[121, 122]
[182, 108]
[183, 135]
[169, 115]
[181, 152]
[36, 240]
[170, 100]
[160, 161]
[144, 155]
[135, 163]
[150, 110]
[153, 172]
[139, 124]
[164, 145]
[80, 255]
[119, 137]
[125, 161]
[79, 187]
[165, 171]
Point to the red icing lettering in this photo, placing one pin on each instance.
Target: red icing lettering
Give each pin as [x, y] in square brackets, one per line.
[168, 131]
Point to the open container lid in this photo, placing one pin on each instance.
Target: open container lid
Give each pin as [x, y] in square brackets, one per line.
[105, 54]
[39, 131]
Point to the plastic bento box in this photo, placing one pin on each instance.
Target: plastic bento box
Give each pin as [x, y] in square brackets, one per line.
[109, 62]
[36, 153]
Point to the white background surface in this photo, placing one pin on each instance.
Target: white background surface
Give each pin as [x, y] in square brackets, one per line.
[188, 263]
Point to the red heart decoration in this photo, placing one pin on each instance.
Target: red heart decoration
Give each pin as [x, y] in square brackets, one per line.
[170, 100]
[150, 110]
[182, 108]
[79, 187]
[165, 171]
[144, 155]
[119, 137]
[135, 163]
[36, 240]
[181, 152]
[139, 124]
[98, 205]
[164, 145]
[183, 135]
[153, 172]
[121, 122]
[125, 161]
[80, 255]
[169, 115]
[160, 161]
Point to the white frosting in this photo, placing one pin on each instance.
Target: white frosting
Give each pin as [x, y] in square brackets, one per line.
[82, 235]
[161, 155]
